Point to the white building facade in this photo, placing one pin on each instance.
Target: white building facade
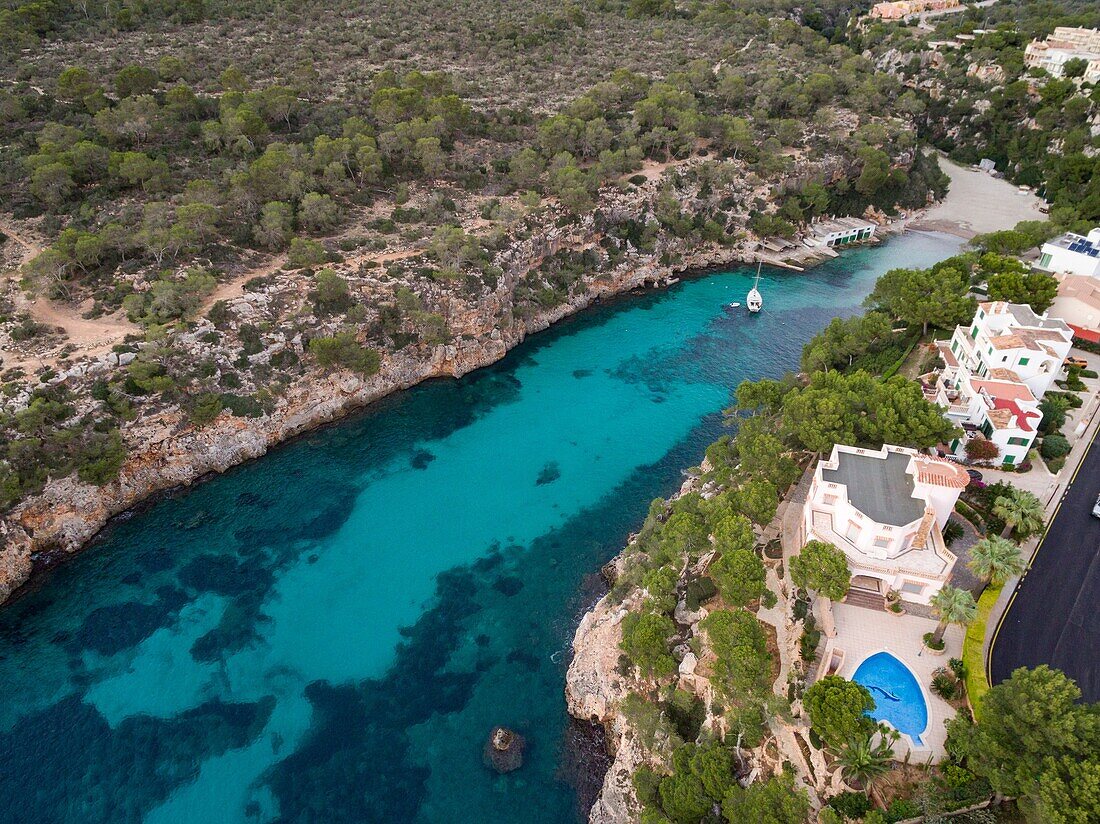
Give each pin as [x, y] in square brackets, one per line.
[1011, 336]
[1072, 254]
[1002, 409]
[886, 509]
[840, 232]
[1064, 44]
[996, 371]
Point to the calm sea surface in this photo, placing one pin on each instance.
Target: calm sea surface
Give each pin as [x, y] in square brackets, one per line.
[328, 634]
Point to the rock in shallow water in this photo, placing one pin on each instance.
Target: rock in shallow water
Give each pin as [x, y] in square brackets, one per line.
[504, 750]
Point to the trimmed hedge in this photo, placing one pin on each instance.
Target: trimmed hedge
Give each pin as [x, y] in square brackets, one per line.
[976, 683]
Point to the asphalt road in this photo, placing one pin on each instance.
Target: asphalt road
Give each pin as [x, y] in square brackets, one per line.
[1055, 616]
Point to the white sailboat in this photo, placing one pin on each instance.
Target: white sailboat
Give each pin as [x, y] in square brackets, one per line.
[754, 300]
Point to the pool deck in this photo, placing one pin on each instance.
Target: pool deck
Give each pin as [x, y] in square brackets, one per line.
[862, 632]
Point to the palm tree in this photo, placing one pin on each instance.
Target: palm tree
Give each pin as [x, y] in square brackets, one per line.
[952, 606]
[862, 762]
[995, 559]
[1021, 511]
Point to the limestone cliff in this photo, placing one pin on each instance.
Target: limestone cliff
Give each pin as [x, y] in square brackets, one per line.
[593, 691]
[168, 452]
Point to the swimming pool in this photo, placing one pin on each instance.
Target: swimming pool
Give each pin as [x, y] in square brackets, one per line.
[898, 697]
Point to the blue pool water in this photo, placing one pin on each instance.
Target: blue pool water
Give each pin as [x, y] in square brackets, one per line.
[329, 633]
[898, 697]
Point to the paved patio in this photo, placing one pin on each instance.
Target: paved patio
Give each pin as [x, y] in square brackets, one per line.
[862, 632]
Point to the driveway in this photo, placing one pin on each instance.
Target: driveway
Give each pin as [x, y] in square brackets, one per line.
[1054, 616]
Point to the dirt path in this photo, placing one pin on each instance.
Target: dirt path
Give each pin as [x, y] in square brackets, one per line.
[97, 336]
[90, 337]
[235, 288]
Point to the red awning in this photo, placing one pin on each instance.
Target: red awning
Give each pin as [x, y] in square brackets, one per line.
[1091, 335]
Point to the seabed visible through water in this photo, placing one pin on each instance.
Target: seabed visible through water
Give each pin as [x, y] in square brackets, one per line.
[329, 633]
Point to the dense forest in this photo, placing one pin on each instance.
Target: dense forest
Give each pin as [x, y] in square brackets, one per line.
[205, 154]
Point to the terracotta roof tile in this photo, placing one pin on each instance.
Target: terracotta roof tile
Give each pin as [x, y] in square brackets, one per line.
[938, 472]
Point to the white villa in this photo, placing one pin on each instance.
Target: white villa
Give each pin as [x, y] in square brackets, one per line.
[997, 370]
[1072, 254]
[886, 509]
[1002, 408]
[1011, 336]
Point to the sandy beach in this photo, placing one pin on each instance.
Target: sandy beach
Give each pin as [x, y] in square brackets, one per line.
[977, 203]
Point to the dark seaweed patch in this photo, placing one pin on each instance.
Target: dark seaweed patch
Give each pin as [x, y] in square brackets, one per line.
[111, 629]
[421, 458]
[508, 585]
[235, 631]
[225, 575]
[155, 560]
[352, 764]
[549, 473]
[65, 763]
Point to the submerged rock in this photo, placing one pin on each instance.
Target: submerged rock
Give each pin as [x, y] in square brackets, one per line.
[504, 750]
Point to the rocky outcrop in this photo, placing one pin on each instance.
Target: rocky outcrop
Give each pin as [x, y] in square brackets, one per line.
[593, 691]
[167, 452]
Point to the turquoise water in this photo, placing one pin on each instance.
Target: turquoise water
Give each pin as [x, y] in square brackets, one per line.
[898, 697]
[328, 634]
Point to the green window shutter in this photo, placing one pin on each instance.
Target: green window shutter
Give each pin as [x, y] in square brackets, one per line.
[1009, 459]
[1018, 441]
[1023, 361]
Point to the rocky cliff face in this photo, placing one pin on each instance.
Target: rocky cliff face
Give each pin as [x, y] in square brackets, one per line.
[593, 691]
[169, 452]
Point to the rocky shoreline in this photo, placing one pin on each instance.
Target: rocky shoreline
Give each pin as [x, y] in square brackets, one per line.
[60, 522]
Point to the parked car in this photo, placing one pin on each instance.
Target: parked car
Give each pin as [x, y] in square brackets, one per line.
[1096, 508]
[975, 475]
[1080, 363]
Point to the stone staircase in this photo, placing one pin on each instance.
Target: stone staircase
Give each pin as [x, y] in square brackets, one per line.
[863, 598]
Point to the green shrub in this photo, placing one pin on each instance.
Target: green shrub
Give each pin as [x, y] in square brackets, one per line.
[205, 407]
[168, 300]
[851, 805]
[943, 684]
[305, 252]
[1054, 446]
[958, 667]
[100, 457]
[343, 351]
[242, 406]
[645, 640]
[902, 808]
[699, 591]
[330, 293]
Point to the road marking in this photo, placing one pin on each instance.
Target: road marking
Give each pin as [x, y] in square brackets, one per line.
[1034, 555]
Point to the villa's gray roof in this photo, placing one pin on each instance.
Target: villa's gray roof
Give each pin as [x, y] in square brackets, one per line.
[880, 489]
[1025, 316]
